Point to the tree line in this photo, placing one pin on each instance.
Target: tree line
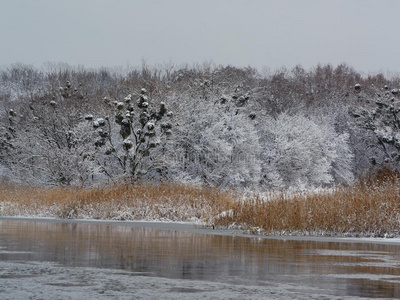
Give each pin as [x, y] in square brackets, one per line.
[217, 125]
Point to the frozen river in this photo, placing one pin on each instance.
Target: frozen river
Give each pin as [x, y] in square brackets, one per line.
[53, 259]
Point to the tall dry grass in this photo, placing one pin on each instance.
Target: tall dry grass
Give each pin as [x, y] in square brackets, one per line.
[172, 202]
[371, 207]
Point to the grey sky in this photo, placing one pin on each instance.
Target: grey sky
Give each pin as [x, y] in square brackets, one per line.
[364, 34]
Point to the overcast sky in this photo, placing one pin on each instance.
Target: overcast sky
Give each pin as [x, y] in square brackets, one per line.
[260, 33]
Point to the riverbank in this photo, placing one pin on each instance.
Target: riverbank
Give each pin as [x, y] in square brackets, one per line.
[369, 208]
[142, 202]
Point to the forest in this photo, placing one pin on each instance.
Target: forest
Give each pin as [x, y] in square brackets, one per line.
[221, 126]
[301, 151]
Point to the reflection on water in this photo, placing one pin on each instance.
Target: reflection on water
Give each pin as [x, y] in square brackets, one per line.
[340, 268]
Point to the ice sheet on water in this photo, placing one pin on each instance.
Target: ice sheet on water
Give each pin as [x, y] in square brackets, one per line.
[52, 281]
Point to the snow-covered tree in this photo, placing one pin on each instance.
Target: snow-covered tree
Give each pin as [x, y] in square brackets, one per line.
[214, 145]
[298, 152]
[381, 119]
[342, 165]
[47, 143]
[295, 124]
[132, 139]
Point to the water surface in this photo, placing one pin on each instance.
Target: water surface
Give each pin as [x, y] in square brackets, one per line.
[342, 269]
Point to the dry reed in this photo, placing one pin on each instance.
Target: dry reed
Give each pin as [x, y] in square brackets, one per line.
[165, 202]
[369, 208]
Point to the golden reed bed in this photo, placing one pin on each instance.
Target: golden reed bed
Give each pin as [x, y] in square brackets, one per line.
[371, 207]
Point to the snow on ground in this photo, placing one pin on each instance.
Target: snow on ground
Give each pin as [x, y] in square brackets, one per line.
[44, 280]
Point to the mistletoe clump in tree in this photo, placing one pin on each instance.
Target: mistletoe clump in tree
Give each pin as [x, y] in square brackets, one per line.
[134, 138]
